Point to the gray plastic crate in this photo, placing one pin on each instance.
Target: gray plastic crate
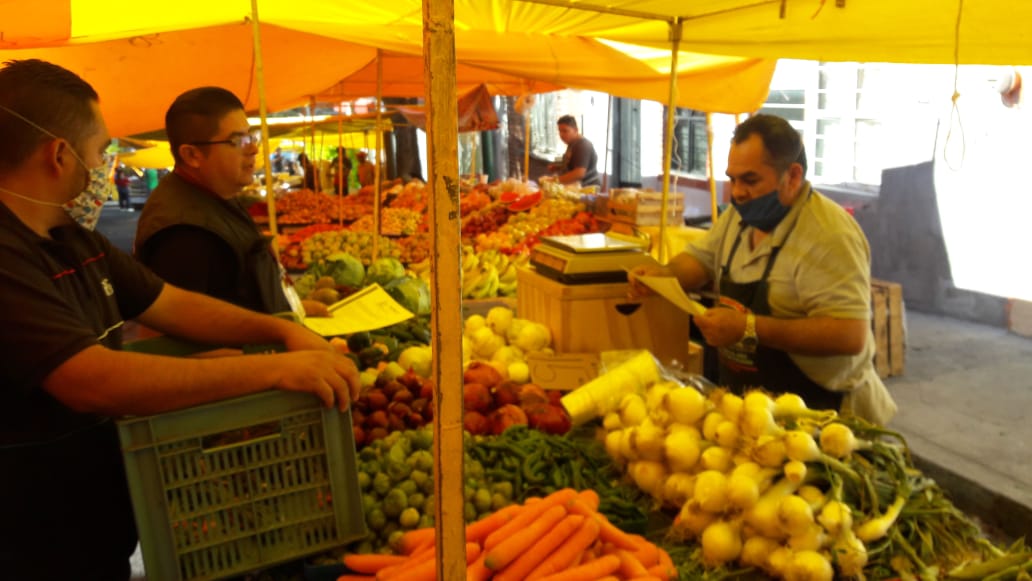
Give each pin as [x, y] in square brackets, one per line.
[241, 484]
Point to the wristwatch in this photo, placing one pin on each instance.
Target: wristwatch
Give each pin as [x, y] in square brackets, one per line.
[749, 340]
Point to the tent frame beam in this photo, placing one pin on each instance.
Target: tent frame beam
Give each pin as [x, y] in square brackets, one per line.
[574, 5]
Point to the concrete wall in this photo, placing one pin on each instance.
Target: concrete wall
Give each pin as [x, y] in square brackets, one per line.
[907, 246]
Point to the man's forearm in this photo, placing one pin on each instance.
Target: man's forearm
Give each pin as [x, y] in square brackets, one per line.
[201, 318]
[573, 175]
[820, 336]
[689, 271]
[99, 380]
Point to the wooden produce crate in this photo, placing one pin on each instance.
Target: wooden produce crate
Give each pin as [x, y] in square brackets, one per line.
[643, 207]
[584, 318]
[887, 323]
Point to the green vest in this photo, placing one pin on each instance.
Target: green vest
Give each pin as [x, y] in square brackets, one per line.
[176, 202]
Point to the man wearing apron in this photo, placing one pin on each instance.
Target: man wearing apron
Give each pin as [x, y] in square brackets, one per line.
[792, 270]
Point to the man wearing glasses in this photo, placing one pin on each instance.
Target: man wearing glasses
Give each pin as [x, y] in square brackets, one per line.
[194, 231]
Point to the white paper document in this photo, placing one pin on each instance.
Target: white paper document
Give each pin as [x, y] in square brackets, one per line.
[668, 288]
[368, 309]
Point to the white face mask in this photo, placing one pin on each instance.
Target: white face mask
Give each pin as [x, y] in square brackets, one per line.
[84, 208]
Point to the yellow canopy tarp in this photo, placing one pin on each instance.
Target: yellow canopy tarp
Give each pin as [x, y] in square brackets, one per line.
[140, 56]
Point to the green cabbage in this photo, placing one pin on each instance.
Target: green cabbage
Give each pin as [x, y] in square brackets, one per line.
[345, 269]
[411, 293]
[383, 270]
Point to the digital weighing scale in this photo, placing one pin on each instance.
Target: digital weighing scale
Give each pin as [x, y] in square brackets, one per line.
[589, 258]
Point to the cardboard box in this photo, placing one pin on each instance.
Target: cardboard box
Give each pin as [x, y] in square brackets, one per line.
[584, 318]
[644, 207]
[564, 371]
[1019, 317]
[887, 324]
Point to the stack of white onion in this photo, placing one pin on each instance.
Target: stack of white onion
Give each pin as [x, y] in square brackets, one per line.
[739, 477]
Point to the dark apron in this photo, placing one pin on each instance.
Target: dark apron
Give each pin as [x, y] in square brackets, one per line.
[769, 368]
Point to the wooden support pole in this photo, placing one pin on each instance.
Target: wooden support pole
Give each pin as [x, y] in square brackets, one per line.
[668, 143]
[342, 180]
[259, 65]
[445, 294]
[377, 184]
[526, 144]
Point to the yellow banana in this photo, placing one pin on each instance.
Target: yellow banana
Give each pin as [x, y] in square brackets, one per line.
[509, 274]
[420, 266]
[487, 282]
[470, 262]
[507, 289]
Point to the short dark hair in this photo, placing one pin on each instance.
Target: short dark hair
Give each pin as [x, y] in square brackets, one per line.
[50, 96]
[783, 143]
[567, 120]
[195, 115]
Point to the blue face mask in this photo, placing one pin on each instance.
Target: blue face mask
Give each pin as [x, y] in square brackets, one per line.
[762, 213]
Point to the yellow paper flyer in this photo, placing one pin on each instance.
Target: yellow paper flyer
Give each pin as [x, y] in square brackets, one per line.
[668, 288]
[368, 309]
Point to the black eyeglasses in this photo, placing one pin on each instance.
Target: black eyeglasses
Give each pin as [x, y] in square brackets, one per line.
[237, 141]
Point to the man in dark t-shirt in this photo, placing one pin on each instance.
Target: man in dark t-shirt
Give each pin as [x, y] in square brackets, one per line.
[580, 160]
[65, 293]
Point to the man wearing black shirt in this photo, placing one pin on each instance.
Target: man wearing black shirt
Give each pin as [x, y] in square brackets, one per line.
[65, 293]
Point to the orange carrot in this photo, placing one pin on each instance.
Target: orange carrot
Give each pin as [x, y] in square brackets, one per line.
[528, 515]
[540, 550]
[590, 571]
[581, 557]
[416, 538]
[647, 553]
[608, 532]
[477, 531]
[509, 549]
[665, 560]
[476, 571]
[590, 498]
[645, 578]
[397, 571]
[472, 552]
[662, 572]
[567, 553]
[630, 566]
[425, 571]
[371, 563]
[610, 578]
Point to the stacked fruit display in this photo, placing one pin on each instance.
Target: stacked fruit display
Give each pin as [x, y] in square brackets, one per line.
[393, 222]
[581, 223]
[523, 224]
[414, 249]
[413, 196]
[318, 247]
[483, 221]
[493, 404]
[306, 207]
[391, 404]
